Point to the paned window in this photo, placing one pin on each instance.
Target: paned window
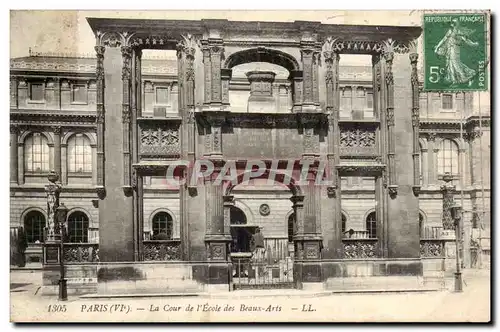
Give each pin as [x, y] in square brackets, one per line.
[36, 153]
[78, 227]
[79, 154]
[34, 223]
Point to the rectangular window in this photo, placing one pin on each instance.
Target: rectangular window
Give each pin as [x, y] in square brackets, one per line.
[37, 92]
[447, 101]
[346, 99]
[161, 95]
[369, 100]
[79, 93]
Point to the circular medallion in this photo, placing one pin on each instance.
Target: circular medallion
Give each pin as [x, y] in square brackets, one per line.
[264, 210]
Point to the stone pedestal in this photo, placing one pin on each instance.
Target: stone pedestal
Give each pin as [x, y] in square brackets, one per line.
[450, 248]
[51, 267]
[261, 98]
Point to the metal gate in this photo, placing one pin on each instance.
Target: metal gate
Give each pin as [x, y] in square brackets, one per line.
[274, 269]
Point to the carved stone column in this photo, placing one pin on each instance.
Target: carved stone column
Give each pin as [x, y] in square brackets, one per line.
[296, 76]
[216, 56]
[298, 208]
[389, 82]
[207, 68]
[228, 204]
[100, 117]
[425, 167]
[447, 189]
[186, 50]
[126, 80]
[331, 74]
[14, 99]
[226, 78]
[310, 139]
[57, 149]
[53, 190]
[431, 158]
[216, 238]
[307, 53]
[315, 76]
[135, 91]
[415, 116]
[14, 132]
[216, 122]
[331, 60]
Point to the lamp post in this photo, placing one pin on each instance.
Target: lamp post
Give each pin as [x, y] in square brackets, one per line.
[456, 214]
[62, 212]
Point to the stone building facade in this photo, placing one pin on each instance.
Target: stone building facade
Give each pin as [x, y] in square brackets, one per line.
[113, 125]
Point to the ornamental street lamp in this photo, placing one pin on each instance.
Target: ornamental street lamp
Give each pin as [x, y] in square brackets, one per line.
[61, 213]
[456, 214]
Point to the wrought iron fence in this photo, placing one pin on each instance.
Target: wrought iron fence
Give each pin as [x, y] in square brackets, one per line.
[162, 250]
[248, 274]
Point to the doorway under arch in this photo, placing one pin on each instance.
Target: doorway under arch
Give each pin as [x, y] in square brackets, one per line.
[241, 233]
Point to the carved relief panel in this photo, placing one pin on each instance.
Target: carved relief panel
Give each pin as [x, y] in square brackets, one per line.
[159, 139]
[356, 139]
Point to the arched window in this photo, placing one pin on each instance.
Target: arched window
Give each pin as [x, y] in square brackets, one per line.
[78, 227]
[237, 217]
[79, 154]
[34, 223]
[291, 225]
[344, 221]
[163, 223]
[447, 157]
[371, 225]
[36, 153]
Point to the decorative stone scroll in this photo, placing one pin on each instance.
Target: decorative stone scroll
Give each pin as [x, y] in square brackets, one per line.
[431, 248]
[159, 141]
[367, 46]
[150, 42]
[113, 39]
[359, 248]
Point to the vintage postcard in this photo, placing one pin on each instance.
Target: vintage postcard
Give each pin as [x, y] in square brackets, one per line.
[239, 166]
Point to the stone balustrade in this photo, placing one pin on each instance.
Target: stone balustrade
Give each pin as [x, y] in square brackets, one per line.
[432, 248]
[81, 253]
[162, 250]
[360, 248]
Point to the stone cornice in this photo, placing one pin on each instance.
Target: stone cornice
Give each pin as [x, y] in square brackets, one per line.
[268, 120]
[226, 29]
[452, 125]
[41, 189]
[46, 118]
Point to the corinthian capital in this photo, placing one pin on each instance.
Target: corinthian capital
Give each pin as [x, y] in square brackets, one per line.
[388, 49]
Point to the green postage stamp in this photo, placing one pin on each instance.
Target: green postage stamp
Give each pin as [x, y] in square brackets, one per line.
[455, 52]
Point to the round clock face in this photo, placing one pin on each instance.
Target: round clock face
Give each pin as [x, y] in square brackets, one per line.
[264, 210]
